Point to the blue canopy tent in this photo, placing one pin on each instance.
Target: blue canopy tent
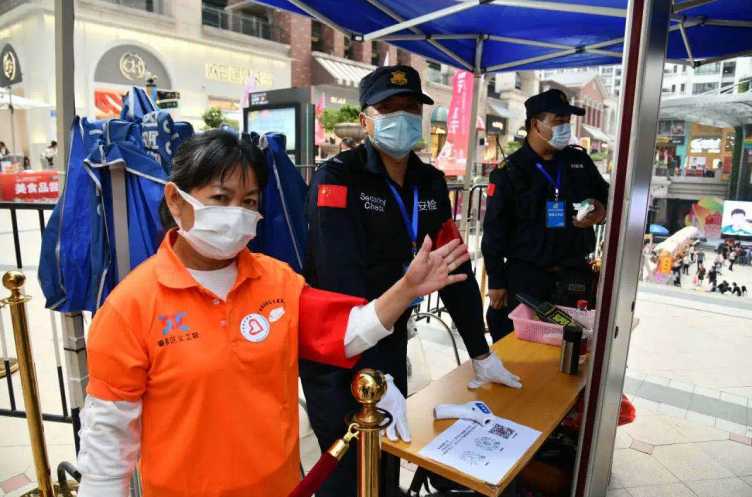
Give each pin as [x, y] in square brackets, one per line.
[487, 36]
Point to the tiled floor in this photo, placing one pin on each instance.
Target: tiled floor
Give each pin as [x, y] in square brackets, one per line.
[691, 437]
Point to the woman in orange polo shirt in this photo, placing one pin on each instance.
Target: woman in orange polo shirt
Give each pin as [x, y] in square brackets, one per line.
[193, 358]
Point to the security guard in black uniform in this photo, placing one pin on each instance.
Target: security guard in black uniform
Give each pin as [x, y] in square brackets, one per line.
[533, 241]
[368, 209]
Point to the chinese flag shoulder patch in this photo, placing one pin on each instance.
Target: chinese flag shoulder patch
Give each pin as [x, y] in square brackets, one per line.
[491, 189]
[332, 196]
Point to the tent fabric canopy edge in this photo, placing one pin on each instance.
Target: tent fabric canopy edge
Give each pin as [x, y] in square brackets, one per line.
[698, 36]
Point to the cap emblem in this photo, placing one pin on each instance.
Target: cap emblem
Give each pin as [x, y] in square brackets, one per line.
[398, 78]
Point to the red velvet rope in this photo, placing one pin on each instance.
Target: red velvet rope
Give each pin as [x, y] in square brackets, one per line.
[316, 477]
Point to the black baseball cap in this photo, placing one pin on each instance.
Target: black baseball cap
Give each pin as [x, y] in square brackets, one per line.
[553, 101]
[387, 81]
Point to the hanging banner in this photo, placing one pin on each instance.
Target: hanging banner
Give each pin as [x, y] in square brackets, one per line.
[453, 156]
[320, 135]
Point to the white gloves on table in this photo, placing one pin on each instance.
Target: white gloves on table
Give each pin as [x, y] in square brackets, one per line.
[473, 411]
[395, 404]
[491, 370]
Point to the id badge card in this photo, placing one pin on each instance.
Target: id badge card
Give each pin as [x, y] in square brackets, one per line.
[555, 214]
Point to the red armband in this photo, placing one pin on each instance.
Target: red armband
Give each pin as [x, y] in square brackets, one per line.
[323, 324]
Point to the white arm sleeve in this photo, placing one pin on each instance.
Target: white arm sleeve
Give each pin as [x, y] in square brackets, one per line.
[364, 330]
[110, 446]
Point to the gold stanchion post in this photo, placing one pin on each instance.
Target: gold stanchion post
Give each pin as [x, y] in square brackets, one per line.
[14, 281]
[368, 386]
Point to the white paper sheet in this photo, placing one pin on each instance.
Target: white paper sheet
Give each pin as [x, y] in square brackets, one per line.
[484, 452]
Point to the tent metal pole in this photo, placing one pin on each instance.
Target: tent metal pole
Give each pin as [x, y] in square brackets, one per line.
[532, 43]
[65, 103]
[647, 27]
[449, 53]
[530, 60]
[431, 16]
[605, 53]
[687, 47]
[472, 146]
[74, 343]
[727, 23]
[563, 7]
[425, 37]
[689, 4]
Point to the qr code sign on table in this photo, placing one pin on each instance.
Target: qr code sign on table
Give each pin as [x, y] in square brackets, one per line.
[504, 432]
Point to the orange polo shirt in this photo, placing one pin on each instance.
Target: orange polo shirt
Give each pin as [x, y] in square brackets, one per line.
[218, 380]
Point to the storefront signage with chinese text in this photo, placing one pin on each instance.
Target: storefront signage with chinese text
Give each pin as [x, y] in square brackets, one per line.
[226, 73]
[11, 68]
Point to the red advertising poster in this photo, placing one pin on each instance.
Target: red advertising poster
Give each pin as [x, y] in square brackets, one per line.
[30, 186]
[453, 156]
[109, 103]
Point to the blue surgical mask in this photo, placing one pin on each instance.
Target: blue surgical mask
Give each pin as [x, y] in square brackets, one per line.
[397, 133]
[561, 135]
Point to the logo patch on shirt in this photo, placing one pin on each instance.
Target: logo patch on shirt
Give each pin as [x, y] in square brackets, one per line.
[578, 166]
[276, 314]
[372, 203]
[332, 196]
[428, 205]
[255, 328]
[172, 323]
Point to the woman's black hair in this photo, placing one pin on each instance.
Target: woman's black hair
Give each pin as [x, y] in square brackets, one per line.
[210, 155]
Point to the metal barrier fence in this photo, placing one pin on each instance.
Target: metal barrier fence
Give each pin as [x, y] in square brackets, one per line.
[40, 207]
[68, 410]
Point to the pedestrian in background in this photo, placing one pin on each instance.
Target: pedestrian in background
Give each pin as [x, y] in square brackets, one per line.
[676, 268]
[685, 263]
[700, 275]
[732, 259]
[700, 258]
[713, 278]
[718, 263]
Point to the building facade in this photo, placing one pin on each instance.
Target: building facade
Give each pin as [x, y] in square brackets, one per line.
[585, 89]
[203, 53]
[730, 76]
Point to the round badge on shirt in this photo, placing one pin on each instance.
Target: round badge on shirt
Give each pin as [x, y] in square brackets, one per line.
[255, 327]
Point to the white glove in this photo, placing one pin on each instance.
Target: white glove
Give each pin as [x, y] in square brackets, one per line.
[395, 404]
[474, 411]
[584, 208]
[491, 370]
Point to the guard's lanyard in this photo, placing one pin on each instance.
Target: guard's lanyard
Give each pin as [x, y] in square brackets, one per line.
[410, 226]
[556, 185]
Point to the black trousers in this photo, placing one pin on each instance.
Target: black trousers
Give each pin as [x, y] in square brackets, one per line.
[564, 287]
[330, 403]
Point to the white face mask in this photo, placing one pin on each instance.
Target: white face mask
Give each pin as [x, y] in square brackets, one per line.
[219, 232]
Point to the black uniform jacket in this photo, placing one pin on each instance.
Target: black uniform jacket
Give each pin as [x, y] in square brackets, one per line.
[358, 244]
[515, 223]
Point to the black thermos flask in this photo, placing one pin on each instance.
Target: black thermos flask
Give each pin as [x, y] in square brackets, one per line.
[570, 349]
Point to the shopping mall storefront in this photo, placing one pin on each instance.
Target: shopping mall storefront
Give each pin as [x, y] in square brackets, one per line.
[111, 58]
